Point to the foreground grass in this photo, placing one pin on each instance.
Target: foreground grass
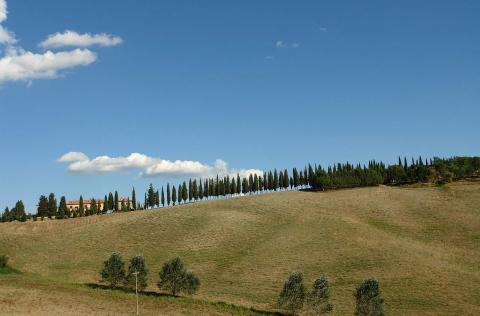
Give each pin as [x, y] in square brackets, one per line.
[422, 244]
[21, 294]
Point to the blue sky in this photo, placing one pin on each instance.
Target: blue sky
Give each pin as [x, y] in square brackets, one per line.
[257, 84]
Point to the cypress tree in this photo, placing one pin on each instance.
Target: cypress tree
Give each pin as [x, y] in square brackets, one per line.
[174, 195]
[206, 189]
[134, 199]
[239, 186]
[105, 204]
[145, 204]
[110, 201]
[245, 186]
[233, 186]
[19, 213]
[81, 208]
[151, 196]
[184, 192]
[157, 198]
[180, 194]
[62, 208]
[115, 207]
[280, 180]
[52, 205]
[163, 198]
[168, 194]
[200, 190]
[255, 183]
[190, 190]
[286, 179]
[275, 180]
[195, 189]
[42, 208]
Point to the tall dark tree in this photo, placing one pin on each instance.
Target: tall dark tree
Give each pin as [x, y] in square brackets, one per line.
[195, 189]
[110, 201]
[184, 192]
[200, 190]
[168, 194]
[134, 199]
[239, 184]
[42, 209]
[19, 211]
[286, 179]
[63, 210]
[52, 205]
[190, 190]
[115, 207]
[151, 196]
[163, 198]
[174, 195]
[105, 204]
[81, 207]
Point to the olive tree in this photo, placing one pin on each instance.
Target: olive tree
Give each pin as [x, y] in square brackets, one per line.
[319, 296]
[113, 272]
[369, 300]
[292, 295]
[175, 278]
[137, 265]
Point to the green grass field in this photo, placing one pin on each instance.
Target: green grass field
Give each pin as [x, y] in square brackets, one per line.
[422, 244]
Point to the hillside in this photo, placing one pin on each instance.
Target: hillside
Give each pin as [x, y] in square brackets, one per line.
[423, 244]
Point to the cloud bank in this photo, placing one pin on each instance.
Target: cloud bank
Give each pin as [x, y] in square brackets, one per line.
[16, 64]
[80, 164]
[72, 38]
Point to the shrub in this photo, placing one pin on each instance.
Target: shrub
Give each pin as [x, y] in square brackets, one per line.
[293, 293]
[3, 261]
[318, 297]
[113, 272]
[137, 264]
[369, 301]
[175, 278]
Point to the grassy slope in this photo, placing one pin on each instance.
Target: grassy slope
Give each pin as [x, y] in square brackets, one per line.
[423, 244]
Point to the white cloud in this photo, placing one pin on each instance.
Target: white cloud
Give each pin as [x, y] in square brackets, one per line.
[18, 64]
[282, 44]
[6, 37]
[73, 156]
[3, 10]
[80, 164]
[72, 38]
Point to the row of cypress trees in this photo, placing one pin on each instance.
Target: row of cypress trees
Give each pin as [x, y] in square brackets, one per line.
[315, 177]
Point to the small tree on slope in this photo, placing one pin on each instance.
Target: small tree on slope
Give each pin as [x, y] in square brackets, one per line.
[113, 272]
[318, 297]
[293, 293]
[368, 297]
[175, 278]
[137, 264]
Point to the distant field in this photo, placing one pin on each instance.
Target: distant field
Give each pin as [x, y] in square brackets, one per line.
[422, 244]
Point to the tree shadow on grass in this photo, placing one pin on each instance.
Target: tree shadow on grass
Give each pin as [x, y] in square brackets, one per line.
[223, 305]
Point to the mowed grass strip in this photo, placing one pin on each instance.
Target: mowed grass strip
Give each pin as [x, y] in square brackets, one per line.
[422, 244]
